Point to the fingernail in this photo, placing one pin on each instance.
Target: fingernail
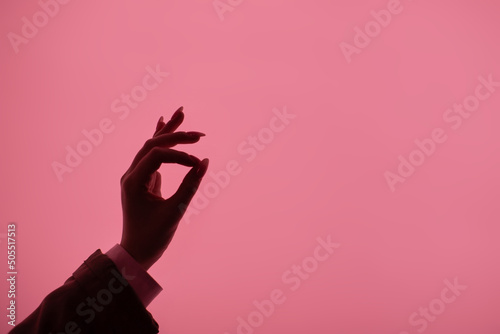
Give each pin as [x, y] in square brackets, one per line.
[195, 134]
[202, 168]
[177, 113]
[160, 120]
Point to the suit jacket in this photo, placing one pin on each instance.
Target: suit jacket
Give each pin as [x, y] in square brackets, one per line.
[95, 299]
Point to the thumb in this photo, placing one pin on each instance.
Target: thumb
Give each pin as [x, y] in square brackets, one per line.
[189, 185]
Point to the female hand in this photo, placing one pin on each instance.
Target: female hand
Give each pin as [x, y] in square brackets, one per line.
[149, 220]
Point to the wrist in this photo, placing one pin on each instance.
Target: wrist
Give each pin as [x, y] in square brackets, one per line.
[136, 256]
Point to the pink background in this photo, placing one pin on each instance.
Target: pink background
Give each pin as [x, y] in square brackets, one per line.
[323, 175]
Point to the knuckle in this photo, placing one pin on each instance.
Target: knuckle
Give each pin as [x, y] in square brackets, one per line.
[123, 178]
[155, 151]
[149, 144]
[125, 182]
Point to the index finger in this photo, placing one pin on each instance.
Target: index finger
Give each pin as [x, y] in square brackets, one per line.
[155, 158]
[166, 140]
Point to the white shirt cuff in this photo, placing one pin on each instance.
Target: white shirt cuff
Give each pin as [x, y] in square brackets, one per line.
[143, 284]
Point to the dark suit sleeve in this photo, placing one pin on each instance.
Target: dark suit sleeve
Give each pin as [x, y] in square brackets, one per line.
[96, 299]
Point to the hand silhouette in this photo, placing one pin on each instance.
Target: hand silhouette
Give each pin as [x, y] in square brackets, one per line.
[149, 220]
